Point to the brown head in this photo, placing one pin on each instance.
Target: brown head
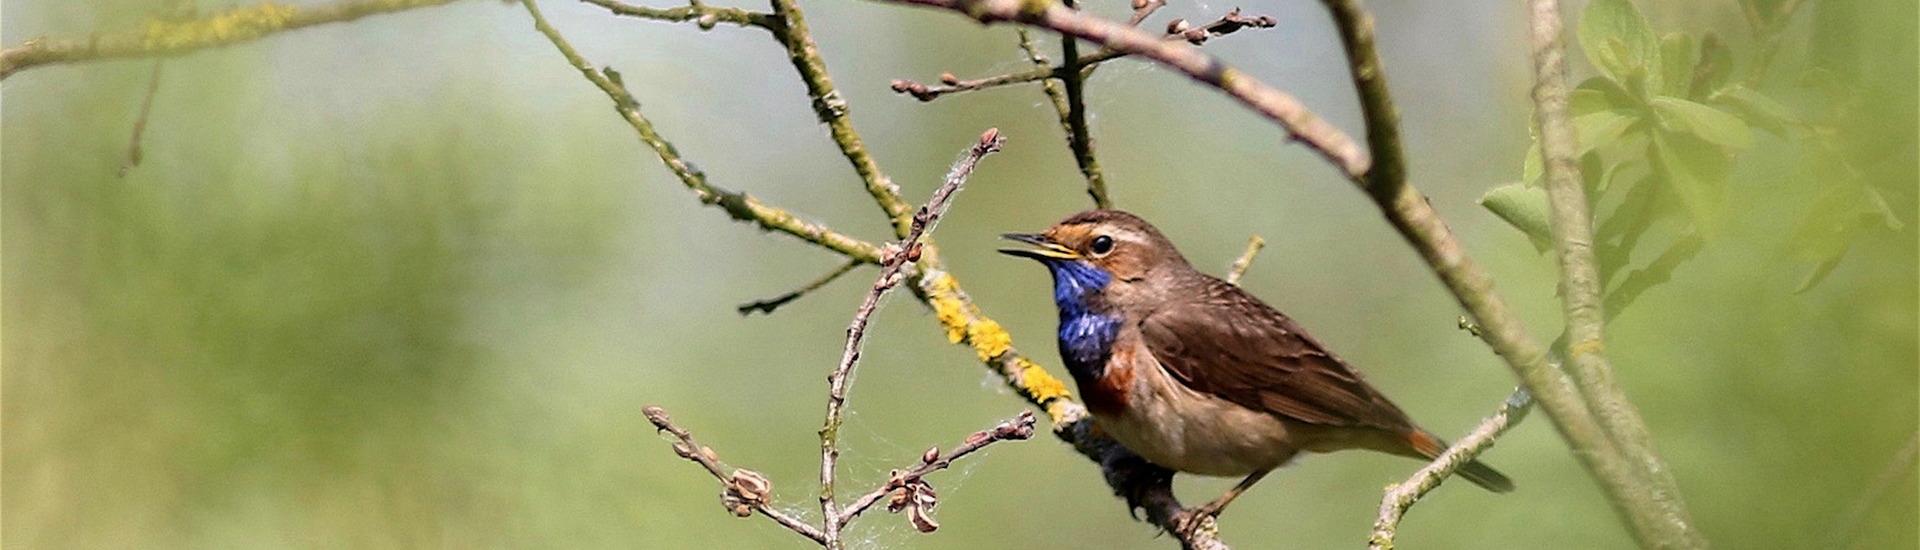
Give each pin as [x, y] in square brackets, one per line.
[1140, 264]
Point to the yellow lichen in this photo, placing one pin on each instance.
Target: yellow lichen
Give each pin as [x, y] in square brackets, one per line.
[988, 339]
[236, 24]
[1036, 382]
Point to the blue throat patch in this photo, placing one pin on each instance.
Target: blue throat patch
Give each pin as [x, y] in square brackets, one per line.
[1086, 335]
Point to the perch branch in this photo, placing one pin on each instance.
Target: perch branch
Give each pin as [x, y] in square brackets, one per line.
[161, 37]
[745, 488]
[1015, 429]
[768, 305]
[1227, 24]
[1651, 499]
[738, 205]
[1245, 261]
[896, 259]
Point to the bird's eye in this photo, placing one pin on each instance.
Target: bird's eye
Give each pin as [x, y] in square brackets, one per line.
[1101, 245]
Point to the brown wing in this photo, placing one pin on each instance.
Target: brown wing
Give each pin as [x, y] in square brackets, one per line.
[1222, 341]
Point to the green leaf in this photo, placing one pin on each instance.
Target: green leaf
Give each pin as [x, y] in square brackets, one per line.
[1703, 122]
[1676, 64]
[1614, 95]
[1602, 127]
[1525, 208]
[1716, 61]
[1696, 172]
[1757, 109]
[1583, 101]
[1617, 40]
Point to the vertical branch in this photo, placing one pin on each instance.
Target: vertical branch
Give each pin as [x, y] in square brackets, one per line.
[134, 151]
[1401, 497]
[896, 259]
[1660, 516]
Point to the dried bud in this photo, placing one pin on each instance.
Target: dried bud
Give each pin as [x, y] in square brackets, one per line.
[708, 21]
[707, 452]
[932, 454]
[913, 252]
[902, 86]
[749, 487]
[1141, 4]
[898, 501]
[1177, 26]
[657, 416]
[681, 448]
[977, 438]
[990, 139]
[949, 79]
[735, 505]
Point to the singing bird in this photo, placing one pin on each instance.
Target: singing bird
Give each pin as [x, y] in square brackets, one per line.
[1198, 376]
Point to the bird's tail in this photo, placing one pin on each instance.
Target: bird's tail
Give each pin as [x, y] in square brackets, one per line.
[1477, 472]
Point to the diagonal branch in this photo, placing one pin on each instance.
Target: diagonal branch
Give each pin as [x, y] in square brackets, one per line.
[1245, 261]
[1018, 428]
[165, 37]
[768, 305]
[1401, 496]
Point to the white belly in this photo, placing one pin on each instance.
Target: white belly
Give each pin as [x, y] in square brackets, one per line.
[1178, 428]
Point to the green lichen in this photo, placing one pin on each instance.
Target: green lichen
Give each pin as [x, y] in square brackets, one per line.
[232, 26]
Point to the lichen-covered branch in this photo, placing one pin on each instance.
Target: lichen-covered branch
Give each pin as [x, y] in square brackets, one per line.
[1079, 137]
[747, 491]
[738, 205]
[166, 37]
[1650, 497]
[833, 111]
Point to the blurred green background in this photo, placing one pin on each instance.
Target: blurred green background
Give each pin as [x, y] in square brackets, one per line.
[407, 283]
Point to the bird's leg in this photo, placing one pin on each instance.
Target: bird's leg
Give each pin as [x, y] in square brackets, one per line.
[1191, 519]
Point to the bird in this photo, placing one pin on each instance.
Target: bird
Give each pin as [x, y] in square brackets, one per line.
[1195, 374]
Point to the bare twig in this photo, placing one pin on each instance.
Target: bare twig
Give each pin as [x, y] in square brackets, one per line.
[134, 152]
[707, 17]
[745, 488]
[1142, 9]
[1240, 265]
[1649, 497]
[1017, 428]
[1227, 24]
[162, 37]
[768, 305]
[896, 259]
[1403, 495]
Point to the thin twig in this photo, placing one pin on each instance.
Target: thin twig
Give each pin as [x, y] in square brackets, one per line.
[134, 152]
[1403, 495]
[1227, 24]
[1079, 137]
[740, 492]
[1017, 428]
[1649, 497]
[896, 259]
[768, 305]
[707, 17]
[1240, 265]
[161, 37]
[738, 205]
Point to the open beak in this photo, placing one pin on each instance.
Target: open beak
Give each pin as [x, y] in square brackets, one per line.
[1044, 248]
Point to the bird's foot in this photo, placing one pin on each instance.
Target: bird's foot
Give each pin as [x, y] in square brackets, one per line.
[1193, 521]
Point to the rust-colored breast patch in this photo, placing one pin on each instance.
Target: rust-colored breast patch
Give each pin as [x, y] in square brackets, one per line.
[1108, 394]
